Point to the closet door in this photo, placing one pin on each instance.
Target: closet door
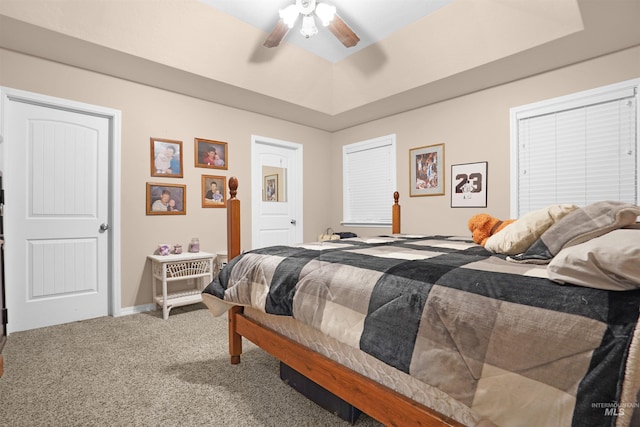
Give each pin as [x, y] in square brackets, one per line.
[56, 160]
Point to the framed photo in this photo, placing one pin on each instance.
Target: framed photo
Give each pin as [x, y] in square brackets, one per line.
[211, 154]
[214, 191]
[469, 185]
[271, 188]
[166, 199]
[166, 158]
[426, 166]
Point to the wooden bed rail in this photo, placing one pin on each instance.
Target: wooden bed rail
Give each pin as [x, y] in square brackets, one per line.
[372, 398]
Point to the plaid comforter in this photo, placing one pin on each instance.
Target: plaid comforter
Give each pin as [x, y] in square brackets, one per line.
[497, 336]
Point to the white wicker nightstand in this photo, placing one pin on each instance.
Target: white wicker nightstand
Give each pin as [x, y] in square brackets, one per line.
[169, 268]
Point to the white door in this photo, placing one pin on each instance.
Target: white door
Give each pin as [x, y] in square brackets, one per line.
[56, 170]
[276, 192]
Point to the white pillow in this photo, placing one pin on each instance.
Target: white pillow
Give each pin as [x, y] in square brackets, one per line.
[516, 237]
[611, 261]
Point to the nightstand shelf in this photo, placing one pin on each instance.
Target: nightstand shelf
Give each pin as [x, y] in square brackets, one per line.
[181, 267]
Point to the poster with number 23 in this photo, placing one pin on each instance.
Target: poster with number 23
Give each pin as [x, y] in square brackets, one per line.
[469, 185]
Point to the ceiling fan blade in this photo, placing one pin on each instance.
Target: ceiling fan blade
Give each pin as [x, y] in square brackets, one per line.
[281, 29]
[341, 30]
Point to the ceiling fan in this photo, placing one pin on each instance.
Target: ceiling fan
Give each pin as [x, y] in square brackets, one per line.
[307, 8]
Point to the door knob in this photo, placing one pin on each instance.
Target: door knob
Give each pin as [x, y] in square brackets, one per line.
[104, 227]
[293, 221]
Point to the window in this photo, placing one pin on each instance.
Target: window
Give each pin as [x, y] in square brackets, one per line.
[577, 149]
[369, 180]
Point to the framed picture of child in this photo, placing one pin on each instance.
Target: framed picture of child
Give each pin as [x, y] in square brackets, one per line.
[166, 158]
[211, 154]
[214, 191]
[166, 199]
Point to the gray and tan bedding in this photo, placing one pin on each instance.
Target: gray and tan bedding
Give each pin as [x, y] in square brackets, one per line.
[498, 337]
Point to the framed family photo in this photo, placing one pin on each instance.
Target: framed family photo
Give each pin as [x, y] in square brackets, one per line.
[426, 166]
[166, 158]
[271, 188]
[211, 154]
[214, 191]
[166, 199]
[469, 185]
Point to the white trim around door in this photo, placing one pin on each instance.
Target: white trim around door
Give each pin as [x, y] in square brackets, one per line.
[8, 95]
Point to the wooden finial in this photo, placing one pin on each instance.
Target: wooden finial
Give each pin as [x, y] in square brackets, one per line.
[396, 197]
[233, 187]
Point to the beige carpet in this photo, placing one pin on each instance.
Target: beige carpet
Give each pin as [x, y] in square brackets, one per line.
[140, 370]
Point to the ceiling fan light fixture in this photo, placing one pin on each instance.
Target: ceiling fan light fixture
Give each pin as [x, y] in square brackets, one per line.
[326, 13]
[308, 26]
[289, 15]
[309, 9]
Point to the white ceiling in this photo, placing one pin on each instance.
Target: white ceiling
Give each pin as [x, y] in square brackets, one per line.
[371, 20]
[464, 47]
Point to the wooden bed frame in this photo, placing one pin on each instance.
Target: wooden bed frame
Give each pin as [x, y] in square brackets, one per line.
[377, 401]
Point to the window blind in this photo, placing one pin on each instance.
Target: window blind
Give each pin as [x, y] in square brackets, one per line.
[369, 176]
[579, 151]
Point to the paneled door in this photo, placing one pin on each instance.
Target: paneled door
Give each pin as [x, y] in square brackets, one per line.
[56, 164]
[276, 188]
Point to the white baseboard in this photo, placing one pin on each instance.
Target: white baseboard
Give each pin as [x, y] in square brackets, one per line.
[135, 310]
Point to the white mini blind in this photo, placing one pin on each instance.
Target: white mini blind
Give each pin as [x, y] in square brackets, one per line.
[369, 180]
[578, 149]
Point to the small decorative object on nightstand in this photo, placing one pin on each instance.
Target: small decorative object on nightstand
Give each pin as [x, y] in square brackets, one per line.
[194, 246]
[170, 268]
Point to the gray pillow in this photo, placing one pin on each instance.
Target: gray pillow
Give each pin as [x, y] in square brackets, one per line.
[611, 261]
[579, 226]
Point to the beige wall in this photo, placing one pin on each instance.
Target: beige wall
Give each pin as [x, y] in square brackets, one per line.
[474, 128]
[149, 112]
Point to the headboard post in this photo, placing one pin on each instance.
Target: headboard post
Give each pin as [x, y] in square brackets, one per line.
[233, 250]
[395, 214]
[233, 220]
